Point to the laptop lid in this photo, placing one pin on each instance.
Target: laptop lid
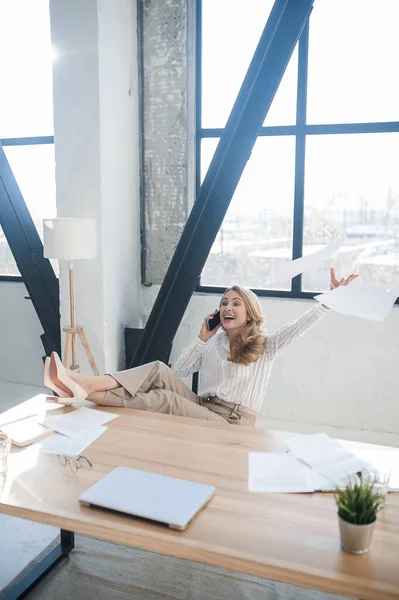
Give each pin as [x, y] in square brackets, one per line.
[150, 496]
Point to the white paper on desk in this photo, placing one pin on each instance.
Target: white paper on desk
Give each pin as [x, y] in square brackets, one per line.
[278, 473]
[317, 449]
[340, 472]
[366, 301]
[382, 460]
[71, 446]
[78, 421]
[321, 483]
[311, 261]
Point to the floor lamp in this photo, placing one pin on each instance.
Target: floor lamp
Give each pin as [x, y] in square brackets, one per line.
[71, 239]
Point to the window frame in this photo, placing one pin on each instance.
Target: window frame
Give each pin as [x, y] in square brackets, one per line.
[301, 130]
[23, 141]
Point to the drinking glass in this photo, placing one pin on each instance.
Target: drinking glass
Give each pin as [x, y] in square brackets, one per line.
[5, 447]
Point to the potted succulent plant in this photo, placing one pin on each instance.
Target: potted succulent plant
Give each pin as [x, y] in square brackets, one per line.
[358, 505]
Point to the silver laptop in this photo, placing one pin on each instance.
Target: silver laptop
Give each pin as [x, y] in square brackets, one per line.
[150, 496]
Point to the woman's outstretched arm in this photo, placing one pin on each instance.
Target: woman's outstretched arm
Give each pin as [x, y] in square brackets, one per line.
[288, 334]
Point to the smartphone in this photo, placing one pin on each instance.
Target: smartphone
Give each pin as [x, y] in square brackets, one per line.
[214, 321]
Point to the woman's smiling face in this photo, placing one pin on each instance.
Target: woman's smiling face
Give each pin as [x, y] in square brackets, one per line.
[233, 312]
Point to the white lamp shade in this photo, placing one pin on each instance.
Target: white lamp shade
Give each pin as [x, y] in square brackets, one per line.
[70, 238]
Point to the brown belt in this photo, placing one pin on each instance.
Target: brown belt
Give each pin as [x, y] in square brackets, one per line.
[238, 408]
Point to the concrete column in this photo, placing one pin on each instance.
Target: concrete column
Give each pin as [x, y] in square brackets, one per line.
[168, 59]
[97, 157]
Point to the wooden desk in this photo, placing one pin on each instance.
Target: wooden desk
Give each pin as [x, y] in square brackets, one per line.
[287, 537]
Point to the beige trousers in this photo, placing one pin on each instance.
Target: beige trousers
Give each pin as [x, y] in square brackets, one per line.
[156, 388]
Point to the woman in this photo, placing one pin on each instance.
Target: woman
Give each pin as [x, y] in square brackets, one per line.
[234, 359]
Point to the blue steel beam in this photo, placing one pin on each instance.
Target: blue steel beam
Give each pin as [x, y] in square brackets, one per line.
[279, 38]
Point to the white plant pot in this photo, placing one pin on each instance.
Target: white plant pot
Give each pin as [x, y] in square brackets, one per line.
[355, 539]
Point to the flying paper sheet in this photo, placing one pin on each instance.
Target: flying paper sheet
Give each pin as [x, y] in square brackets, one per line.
[311, 261]
[366, 301]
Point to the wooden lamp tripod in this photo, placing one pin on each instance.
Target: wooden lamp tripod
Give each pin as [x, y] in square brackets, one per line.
[73, 330]
[71, 239]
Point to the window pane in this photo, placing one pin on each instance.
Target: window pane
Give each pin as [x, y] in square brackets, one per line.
[352, 187]
[256, 236]
[7, 262]
[353, 61]
[229, 39]
[34, 170]
[26, 97]
[283, 108]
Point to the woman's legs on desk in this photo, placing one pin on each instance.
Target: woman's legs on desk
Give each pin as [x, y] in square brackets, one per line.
[156, 388]
[153, 387]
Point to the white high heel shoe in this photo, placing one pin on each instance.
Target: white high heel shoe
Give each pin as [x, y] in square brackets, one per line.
[60, 377]
[48, 383]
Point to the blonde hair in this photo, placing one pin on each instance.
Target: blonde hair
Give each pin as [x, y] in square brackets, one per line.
[250, 344]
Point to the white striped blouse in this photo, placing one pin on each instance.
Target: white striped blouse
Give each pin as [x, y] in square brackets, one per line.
[238, 383]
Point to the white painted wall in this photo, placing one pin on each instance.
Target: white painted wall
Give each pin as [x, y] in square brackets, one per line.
[97, 172]
[120, 222]
[74, 34]
[343, 374]
[21, 349]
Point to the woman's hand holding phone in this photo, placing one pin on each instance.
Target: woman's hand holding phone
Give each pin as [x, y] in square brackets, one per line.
[205, 334]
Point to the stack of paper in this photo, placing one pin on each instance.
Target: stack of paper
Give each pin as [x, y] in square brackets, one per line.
[75, 430]
[326, 456]
[279, 473]
[314, 463]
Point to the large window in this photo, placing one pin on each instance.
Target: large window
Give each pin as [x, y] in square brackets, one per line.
[26, 110]
[328, 167]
